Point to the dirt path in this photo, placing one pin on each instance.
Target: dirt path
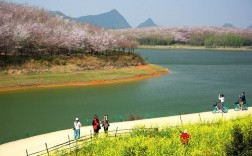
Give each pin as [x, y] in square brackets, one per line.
[37, 143]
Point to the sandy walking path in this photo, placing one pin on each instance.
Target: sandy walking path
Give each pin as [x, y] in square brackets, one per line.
[37, 143]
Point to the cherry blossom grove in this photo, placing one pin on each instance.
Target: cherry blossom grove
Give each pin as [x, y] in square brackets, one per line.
[183, 34]
[23, 27]
[30, 30]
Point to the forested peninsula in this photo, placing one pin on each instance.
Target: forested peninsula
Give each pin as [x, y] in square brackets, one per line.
[39, 49]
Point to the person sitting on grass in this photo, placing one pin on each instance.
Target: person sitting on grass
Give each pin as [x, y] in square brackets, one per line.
[185, 137]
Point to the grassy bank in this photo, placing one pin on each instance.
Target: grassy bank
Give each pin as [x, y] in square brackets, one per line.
[216, 138]
[189, 47]
[86, 77]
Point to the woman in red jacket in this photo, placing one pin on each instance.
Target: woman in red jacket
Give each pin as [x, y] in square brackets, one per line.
[185, 137]
[96, 124]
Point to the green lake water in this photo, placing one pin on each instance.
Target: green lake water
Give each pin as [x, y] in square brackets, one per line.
[193, 84]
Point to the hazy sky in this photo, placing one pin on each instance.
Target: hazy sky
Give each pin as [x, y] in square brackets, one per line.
[163, 12]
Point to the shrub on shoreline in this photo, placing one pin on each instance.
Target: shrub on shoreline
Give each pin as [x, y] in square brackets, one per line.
[70, 63]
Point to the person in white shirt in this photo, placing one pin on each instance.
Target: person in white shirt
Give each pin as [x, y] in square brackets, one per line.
[76, 128]
[222, 100]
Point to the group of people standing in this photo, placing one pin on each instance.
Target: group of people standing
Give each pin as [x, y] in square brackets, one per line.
[96, 126]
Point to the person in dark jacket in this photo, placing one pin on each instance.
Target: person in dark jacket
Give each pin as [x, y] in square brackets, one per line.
[242, 100]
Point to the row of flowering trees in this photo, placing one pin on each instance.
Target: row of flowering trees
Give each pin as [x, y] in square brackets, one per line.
[199, 36]
[26, 30]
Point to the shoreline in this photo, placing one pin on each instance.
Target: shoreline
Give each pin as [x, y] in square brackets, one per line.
[93, 82]
[37, 143]
[188, 47]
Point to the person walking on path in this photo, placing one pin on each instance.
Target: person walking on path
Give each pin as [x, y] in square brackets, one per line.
[96, 124]
[76, 128]
[105, 124]
[185, 137]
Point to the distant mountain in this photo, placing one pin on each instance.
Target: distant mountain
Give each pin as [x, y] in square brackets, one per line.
[228, 25]
[249, 27]
[58, 13]
[111, 20]
[148, 23]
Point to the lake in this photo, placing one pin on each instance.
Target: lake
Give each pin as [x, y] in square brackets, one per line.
[196, 78]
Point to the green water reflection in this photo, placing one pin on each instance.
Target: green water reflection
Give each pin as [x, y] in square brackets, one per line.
[196, 79]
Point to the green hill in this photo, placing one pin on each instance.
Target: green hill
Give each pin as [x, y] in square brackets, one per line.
[249, 27]
[148, 23]
[228, 25]
[111, 20]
